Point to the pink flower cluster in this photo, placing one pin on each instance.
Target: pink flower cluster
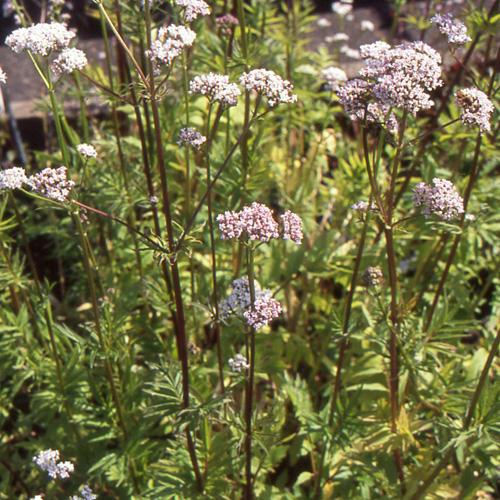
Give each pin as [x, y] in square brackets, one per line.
[476, 108]
[69, 60]
[256, 222]
[442, 199]
[189, 135]
[217, 88]
[239, 304]
[398, 77]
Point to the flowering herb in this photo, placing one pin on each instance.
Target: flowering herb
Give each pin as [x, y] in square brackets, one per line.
[270, 84]
[238, 363]
[194, 8]
[69, 60]
[190, 136]
[48, 460]
[455, 32]
[333, 77]
[87, 150]
[51, 183]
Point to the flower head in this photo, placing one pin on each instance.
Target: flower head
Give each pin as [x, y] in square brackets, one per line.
[333, 77]
[342, 9]
[255, 222]
[456, 32]
[367, 25]
[69, 60]
[442, 199]
[239, 304]
[194, 8]
[87, 150]
[292, 227]
[238, 363]
[476, 108]
[40, 38]
[51, 183]
[189, 135]
[227, 23]
[372, 276]
[13, 178]
[169, 44]
[269, 84]
[48, 460]
[3, 76]
[216, 88]
[87, 494]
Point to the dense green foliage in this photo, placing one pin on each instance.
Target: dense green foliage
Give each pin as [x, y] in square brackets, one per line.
[112, 349]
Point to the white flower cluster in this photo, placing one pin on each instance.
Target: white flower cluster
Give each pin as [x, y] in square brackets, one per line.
[216, 87]
[239, 304]
[169, 44]
[456, 32]
[69, 60]
[342, 8]
[333, 77]
[12, 178]
[51, 183]
[40, 38]
[476, 108]
[367, 25]
[442, 199]
[269, 84]
[87, 494]
[398, 77]
[238, 363]
[48, 460]
[87, 150]
[194, 8]
[3, 76]
[189, 135]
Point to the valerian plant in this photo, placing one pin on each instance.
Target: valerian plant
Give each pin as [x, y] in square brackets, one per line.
[161, 338]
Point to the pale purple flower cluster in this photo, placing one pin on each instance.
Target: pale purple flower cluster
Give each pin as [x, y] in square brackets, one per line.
[270, 84]
[238, 363]
[264, 311]
[13, 178]
[239, 304]
[194, 8]
[217, 88]
[69, 60]
[476, 108]
[48, 460]
[40, 38]
[169, 44]
[51, 183]
[456, 32]
[87, 150]
[227, 23]
[442, 199]
[3, 76]
[398, 77]
[255, 221]
[292, 227]
[189, 135]
[87, 494]
[333, 77]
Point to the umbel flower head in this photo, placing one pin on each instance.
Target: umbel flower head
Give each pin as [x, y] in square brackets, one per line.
[256, 223]
[216, 88]
[239, 304]
[3, 76]
[398, 77]
[194, 8]
[169, 44]
[48, 460]
[87, 494]
[441, 199]
[12, 178]
[51, 183]
[40, 38]
[69, 60]
[189, 135]
[476, 108]
[238, 363]
[333, 77]
[455, 32]
[87, 150]
[270, 84]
